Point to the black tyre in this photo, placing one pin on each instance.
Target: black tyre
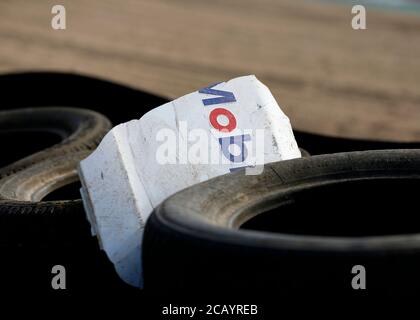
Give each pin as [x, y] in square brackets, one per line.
[298, 228]
[316, 144]
[117, 102]
[36, 235]
[25, 218]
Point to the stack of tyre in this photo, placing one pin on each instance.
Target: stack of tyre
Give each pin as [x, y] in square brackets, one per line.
[301, 227]
[49, 122]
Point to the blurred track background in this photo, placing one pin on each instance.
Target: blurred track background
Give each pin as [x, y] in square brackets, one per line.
[327, 77]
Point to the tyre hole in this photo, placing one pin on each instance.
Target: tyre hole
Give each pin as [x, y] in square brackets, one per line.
[355, 208]
[70, 191]
[18, 144]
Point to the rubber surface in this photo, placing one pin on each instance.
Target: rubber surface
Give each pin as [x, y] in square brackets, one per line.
[24, 183]
[313, 219]
[316, 144]
[35, 242]
[117, 102]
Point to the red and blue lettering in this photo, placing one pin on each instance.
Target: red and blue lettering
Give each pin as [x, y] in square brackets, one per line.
[225, 142]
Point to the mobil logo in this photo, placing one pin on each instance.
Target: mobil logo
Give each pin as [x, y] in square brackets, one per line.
[225, 121]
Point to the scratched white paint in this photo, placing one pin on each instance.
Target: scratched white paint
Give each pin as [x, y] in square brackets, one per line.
[122, 181]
